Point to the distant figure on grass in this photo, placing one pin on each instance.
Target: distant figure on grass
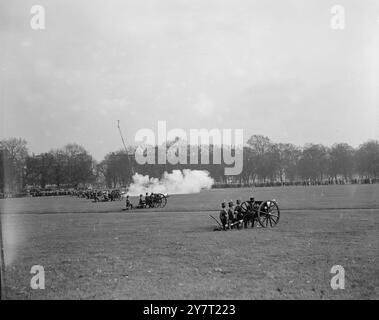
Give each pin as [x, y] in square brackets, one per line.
[129, 205]
[141, 203]
[95, 196]
[152, 198]
[147, 200]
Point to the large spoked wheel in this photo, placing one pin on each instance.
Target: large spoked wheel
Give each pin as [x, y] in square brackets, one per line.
[163, 201]
[268, 214]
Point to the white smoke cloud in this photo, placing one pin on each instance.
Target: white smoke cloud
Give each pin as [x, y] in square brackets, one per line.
[177, 182]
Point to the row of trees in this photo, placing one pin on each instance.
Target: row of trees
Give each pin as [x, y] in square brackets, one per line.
[263, 161]
[70, 166]
[286, 162]
[266, 161]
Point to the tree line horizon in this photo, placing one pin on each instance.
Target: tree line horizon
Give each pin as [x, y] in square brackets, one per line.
[264, 161]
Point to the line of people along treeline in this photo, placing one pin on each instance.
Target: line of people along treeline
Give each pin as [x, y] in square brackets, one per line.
[265, 163]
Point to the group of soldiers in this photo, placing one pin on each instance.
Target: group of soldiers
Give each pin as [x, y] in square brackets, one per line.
[99, 195]
[105, 195]
[143, 202]
[233, 217]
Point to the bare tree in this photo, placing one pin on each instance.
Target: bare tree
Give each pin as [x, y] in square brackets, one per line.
[289, 160]
[265, 157]
[313, 163]
[341, 160]
[367, 159]
[116, 169]
[15, 153]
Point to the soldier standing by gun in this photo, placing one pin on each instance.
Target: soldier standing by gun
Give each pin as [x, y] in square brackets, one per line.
[231, 219]
[249, 216]
[141, 203]
[147, 200]
[223, 216]
[238, 214]
[95, 197]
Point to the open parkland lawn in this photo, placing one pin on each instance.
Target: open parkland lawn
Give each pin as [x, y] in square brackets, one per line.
[97, 251]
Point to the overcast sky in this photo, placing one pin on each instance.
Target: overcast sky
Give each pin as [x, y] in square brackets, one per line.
[269, 67]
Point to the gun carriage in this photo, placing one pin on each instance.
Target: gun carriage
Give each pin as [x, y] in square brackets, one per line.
[266, 213]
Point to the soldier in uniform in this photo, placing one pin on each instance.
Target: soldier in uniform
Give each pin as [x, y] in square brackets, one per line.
[141, 203]
[249, 216]
[238, 213]
[129, 205]
[231, 218]
[223, 216]
[251, 211]
[152, 199]
[95, 197]
[147, 200]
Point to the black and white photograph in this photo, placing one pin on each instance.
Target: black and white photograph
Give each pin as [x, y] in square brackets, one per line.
[189, 150]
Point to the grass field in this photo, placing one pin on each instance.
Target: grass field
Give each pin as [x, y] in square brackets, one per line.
[96, 251]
